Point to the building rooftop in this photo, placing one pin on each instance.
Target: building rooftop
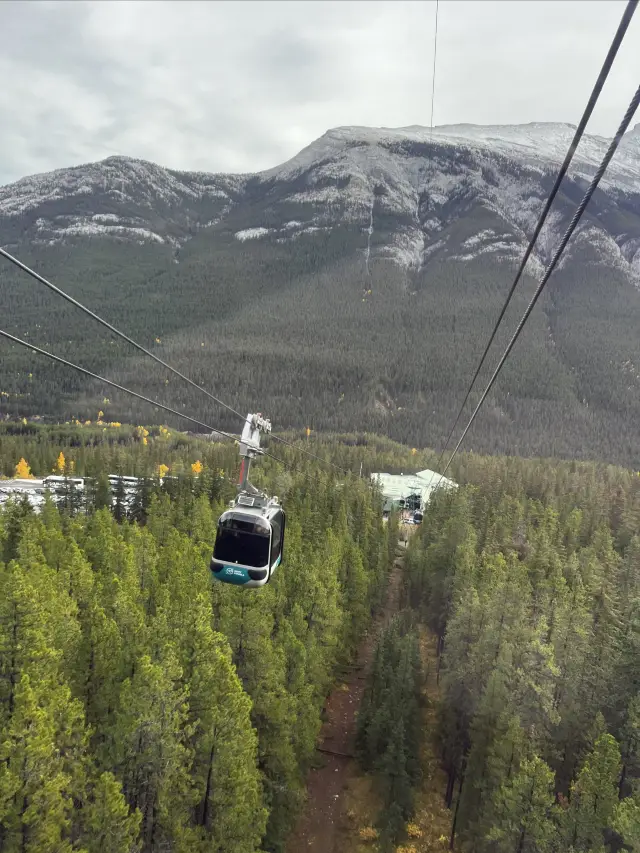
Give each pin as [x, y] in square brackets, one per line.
[397, 487]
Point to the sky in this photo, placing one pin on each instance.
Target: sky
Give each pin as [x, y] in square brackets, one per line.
[242, 86]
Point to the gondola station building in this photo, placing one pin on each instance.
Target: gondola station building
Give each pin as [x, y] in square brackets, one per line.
[409, 491]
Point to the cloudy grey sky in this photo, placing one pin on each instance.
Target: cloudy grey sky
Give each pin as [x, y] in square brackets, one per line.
[242, 86]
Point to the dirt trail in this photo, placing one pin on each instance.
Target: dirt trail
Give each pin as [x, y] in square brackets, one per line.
[318, 826]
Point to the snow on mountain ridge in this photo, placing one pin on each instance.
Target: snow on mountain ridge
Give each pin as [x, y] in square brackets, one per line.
[147, 198]
[539, 143]
[113, 176]
[415, 180]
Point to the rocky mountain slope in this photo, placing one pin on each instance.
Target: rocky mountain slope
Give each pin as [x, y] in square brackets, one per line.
[351, 287]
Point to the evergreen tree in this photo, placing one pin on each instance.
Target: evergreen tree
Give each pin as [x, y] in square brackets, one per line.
[524, 811]
[594, 796]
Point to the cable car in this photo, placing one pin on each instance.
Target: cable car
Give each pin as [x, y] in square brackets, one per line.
[250, 536]
[249, 544]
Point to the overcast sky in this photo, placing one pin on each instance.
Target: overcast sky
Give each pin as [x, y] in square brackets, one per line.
[243, 86]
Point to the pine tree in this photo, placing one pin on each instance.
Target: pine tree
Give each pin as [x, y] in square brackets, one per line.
[106, 823]
[103, 497]
[229, 807]
[626, 822]
[154, 758]
[35, 805]
[594, 796]
[524, 811]
[119, 501]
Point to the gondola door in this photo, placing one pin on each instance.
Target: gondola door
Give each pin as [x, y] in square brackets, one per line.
[277, 541]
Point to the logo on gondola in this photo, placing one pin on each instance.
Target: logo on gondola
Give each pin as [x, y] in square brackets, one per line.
[238, 573]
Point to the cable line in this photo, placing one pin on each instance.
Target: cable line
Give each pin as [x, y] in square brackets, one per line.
[151, 402]
[595, 94]
[145, 351]
[84, 370]
[433, 76]
[633, 106]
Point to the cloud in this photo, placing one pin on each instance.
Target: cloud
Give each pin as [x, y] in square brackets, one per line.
[242, 86]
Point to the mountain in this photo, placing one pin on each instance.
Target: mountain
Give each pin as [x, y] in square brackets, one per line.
[352, 287]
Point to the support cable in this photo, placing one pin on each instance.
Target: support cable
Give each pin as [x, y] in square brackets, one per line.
[595, 94]
[67, 297]
[633, 106]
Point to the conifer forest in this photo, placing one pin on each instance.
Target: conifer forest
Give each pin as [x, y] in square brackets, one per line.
[144, 708]
[373, 625]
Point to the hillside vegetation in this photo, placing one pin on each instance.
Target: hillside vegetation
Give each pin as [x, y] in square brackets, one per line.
[143, 708]
[530, 580]
[351, 288]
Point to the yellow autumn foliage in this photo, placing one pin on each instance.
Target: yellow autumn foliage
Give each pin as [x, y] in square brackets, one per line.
[414, 831]
[196, 467]
[162, 470]
[23, 471]
[60, 464]
[368, 833]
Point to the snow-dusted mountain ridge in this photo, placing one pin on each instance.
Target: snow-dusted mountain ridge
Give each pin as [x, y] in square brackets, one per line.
[350, 288]
[407, 188]
[538, 143]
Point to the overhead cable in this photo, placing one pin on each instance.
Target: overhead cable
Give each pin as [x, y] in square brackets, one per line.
[79, 369]
[433, 75]
[633, 106]
[595, 94]
[59, 292]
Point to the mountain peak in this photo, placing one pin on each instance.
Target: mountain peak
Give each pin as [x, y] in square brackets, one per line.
[541, 145]
[367, 237]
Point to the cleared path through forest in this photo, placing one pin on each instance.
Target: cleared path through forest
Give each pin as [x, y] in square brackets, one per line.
[317, 828]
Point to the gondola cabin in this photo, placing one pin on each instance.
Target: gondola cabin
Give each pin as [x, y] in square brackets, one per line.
[249, 545]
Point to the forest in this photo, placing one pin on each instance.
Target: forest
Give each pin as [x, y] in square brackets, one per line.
[141, 707]
[300, 327]
[529, 578]
[145, 709]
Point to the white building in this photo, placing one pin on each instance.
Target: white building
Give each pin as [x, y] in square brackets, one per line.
[401, 490]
